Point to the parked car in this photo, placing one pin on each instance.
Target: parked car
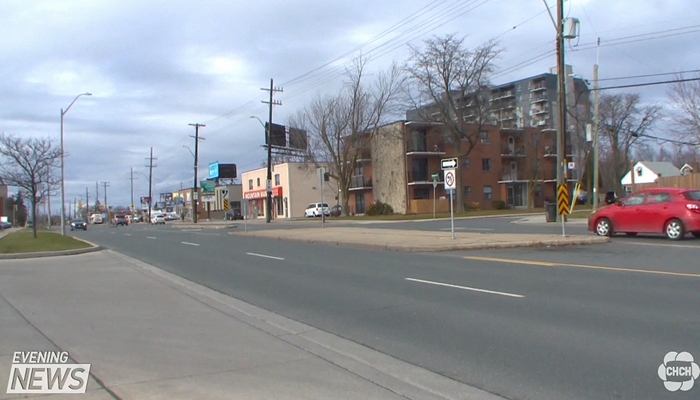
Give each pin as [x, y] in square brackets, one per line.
[6, 225]
[137, 218]
[673, 212]
[171, 216]
[610, 198]
[317, 209]
[336, 211]
[157, 219]
[233, 215]
[120, 220]
[78, 224]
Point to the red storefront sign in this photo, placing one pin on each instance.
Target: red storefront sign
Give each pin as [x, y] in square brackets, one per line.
[262, 193]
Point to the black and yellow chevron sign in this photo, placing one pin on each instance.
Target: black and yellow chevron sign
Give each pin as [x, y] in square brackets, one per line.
[563, 199]
[226, 205]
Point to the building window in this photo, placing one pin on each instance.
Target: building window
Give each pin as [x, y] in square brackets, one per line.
[465, 163]
[484, 138]
[250, 184]
[421, 194]
[488, 192]
[360, 170]
[258, 182]
[359, 203]
[277, 179]
[467, 192]
[486, 164]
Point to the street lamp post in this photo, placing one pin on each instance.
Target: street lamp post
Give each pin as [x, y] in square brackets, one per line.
[63, 182]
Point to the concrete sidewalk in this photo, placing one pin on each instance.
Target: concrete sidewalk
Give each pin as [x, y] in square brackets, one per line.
[414, 240]
[149, 334]
[542, 219]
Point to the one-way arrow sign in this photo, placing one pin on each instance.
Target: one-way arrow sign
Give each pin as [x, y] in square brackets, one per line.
[449, 163]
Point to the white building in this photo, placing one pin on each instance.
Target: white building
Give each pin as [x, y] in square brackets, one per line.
[648, 172]
[294, 186]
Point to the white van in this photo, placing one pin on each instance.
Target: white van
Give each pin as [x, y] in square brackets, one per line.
[96, 219]
[315, 210]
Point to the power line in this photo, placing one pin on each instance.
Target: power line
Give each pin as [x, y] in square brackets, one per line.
[648, 84]
[650, 75]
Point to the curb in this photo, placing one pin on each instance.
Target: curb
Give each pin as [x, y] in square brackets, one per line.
[441, 247]
[58, 253]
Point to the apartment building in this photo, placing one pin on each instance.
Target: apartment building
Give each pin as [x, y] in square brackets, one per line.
[294, 187]
[516, 166]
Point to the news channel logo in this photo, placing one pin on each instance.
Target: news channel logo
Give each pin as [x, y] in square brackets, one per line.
[46, 372]
[678, 371]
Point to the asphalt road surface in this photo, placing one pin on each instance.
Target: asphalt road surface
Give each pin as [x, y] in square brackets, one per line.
[588, 322]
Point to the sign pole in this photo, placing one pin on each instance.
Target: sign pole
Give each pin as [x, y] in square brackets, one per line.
[563, 217]
[452, 215]
[434, 186]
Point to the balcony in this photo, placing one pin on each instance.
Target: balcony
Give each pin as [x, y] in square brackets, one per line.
[551, 151]
[539, 100]
[365, 156]
[437, 151]
[515, 152]
[360, 182]
[508, 175]
[419, 178]
[538, 87]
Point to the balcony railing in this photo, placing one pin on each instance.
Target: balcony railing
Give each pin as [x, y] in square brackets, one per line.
[515, 152]
[436, 150]
[551, 151]
[360, 181]
[419, 177]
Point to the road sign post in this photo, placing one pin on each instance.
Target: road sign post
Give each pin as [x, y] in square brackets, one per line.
[435, 181]
[563, 205]
[451, 186]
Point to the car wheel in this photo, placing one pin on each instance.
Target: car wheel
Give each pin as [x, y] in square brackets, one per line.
[675, 229]
[604, 227]
[696, 234]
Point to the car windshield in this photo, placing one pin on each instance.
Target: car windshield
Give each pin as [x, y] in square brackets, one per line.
[78, 221]
[325, 205]
[694, 195]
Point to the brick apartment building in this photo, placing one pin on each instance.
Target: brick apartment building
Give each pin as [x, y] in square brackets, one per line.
[513, 160]
[515, 166]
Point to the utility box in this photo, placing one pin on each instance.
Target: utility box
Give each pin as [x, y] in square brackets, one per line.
[570, 28]
[550, 212]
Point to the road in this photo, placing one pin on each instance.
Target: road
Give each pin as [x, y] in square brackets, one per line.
[513, 322]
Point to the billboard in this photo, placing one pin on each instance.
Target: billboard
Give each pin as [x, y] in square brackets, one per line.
[228, 171]
[298, 139]
[278, 135]
[214, 170]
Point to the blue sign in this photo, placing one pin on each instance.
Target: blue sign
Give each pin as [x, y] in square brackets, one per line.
[214, 170]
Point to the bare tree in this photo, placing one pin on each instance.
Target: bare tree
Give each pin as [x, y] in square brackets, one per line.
[685, 96]
[26, 164]
[341, 126]
[623, 120]
[450, 85]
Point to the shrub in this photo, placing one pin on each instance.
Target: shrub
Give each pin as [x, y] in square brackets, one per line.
[379, 208]
[474, 206]
[499, 204]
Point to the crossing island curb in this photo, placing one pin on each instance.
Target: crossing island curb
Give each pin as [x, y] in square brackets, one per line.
[39, 254]
[578, 241]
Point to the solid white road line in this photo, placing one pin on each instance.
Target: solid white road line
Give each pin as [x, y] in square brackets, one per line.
[150, 237]
[684, 246]
[459, 228]
[265, 256]
[466, 288]
[127, 234]
[190, 244]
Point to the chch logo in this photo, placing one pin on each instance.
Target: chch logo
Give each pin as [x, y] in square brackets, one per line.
[678, 371]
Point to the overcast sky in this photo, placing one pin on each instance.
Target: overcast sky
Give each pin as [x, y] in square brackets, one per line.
[154, 67]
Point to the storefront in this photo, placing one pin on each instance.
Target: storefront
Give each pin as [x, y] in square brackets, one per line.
[256, 202]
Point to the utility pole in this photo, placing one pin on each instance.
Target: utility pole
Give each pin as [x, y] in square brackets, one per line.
[132, 190]
[268, 137]
[87, 205]
[195, 194]
[97, 197]
[105, 185]
[150, 167]
[596, 151]
[48, 193]
[561, 89]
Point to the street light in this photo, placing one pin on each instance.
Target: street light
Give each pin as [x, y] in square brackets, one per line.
[63, 183]
[268, 141]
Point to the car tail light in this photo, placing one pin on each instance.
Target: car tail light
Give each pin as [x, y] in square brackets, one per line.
[693, 207]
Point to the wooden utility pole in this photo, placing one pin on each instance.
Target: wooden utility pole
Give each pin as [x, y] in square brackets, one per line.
[561, 91]
[150, 167]
[268, 142]
[195, 194]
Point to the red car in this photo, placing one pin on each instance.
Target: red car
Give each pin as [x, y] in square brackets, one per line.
[674, 212]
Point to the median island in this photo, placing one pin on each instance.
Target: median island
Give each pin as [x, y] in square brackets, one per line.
[24, 242]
